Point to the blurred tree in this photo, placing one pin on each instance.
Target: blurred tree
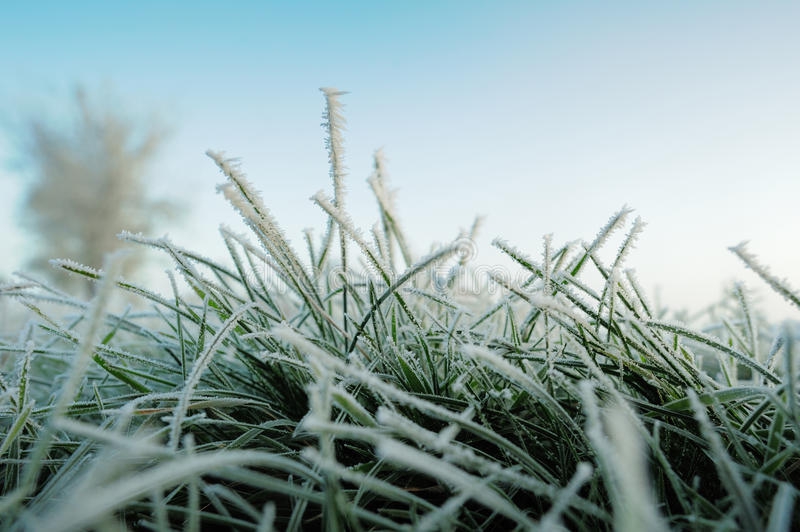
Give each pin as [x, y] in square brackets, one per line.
[87, 185]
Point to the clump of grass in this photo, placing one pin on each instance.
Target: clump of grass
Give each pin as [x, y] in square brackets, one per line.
[320, 396]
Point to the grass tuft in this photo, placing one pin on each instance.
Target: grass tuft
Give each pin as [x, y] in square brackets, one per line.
[324, 397]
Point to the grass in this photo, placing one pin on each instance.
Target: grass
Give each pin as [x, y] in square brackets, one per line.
[322, 396]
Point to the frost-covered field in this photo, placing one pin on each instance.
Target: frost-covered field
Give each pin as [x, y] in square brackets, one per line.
[356, 387]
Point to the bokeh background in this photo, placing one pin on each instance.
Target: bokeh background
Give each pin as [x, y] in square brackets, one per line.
[546, 117]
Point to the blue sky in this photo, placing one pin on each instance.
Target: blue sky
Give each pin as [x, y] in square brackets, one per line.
[545, 117]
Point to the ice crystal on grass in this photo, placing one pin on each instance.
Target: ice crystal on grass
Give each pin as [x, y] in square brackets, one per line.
[472, 487]
[334, 123]
[347, 227]
[603, 235]
[198, 368]
[388, 211]
[781, 286]
[77, 268]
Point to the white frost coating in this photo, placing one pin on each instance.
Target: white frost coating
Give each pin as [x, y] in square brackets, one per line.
[464, 456]
[126, 355]
[447, 434]
[307, 348]
[612, 225]
[98, 501]
[377, 181]
[513, 373]
[128, 236]
[636, 507]
[77, 268]
[620, 451]
[22, 367]
[630, 242]
[16, 286]
[262, 220]
[83, 357]
[386, 201]
[323, 366]
[382, 243]
[164, 243]
[346, 224]
[604, 234]
[247, 201]
[394, 394]
[781, 286]
[610, 292]
[458, 384]
[334, 123]
[406, 427]
[728, 470]
[257, 252]
[274, 357]
[577, 283]
[285, 333]
[504, 393]
[475, 487]
[80, 363]
[565, 307]
[515, 253]
[594, 429]
[547, 240]
[136, 445]
[641, 304]
[552, 519]
[192, 276]
[650, 335]
[267, 521]
[199, 366]
[441, 518]
[364, 481]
